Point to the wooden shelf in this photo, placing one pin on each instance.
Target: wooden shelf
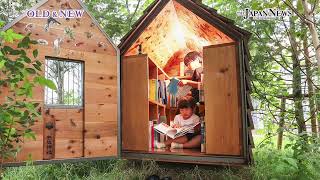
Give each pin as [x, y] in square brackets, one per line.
[184, 77]
[153, 65]
[157, 103]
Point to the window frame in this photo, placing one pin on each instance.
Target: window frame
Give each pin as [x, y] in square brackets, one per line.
[82, 87]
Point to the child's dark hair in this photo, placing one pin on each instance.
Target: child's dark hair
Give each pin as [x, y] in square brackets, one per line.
[191, 56]
[187, 102]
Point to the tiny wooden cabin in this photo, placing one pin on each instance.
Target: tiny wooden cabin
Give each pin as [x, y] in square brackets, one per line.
[155, 49]
[79, 120]
[103, 107]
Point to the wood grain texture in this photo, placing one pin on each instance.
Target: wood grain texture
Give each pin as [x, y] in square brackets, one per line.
[100, 87]
[173, 33]
[222, 103]
[135, 104]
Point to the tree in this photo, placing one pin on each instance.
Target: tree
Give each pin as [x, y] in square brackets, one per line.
[18, 75]
[10, 9]
[117, 17]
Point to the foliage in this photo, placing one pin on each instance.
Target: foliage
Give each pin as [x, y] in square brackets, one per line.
[269, 164]
[116, 17]
[122, 169]
[18, 76]
[275, 164]
[11, 9]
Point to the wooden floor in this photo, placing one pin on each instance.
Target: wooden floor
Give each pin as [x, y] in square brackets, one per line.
[186, 152]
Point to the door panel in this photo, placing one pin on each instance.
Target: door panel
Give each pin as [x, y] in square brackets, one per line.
[63, 137]
[135, 105]
[222, 102]
[101, 105]
[69, 134]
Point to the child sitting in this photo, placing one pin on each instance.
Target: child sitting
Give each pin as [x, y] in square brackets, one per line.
[192, 139]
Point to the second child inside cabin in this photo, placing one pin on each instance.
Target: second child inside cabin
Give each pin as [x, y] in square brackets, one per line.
[186, 117]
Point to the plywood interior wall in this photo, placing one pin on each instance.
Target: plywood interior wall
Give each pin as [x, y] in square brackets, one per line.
[89, 45]
[173, 33]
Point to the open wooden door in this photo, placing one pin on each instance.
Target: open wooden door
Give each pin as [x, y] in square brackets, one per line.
[135, 104]
[222, 100]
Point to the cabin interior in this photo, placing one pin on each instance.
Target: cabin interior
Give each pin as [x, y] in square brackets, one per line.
[158, 54]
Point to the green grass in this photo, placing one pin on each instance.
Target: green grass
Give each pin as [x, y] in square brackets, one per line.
[122, 169]
[269, 164]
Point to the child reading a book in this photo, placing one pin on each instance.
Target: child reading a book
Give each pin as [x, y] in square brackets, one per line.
[192, 139]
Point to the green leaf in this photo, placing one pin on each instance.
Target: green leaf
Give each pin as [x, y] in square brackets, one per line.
[292, 162]
[31, 71]
[41, 80]
[35, 53]
[10, 36]
[26, 59]
[2, 64]
[29, 135]
[51, 84]
[24, 43]
[37, 67]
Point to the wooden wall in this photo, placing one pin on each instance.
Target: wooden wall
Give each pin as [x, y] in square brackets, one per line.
[222, 100]
[97, 122]
[135, 103]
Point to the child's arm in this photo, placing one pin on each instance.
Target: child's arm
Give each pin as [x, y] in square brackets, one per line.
[197, 129]
[176, 122]
[191, 83]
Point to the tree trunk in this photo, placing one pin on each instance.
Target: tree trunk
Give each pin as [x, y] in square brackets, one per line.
[296, 86]
[313, 110]
[281, 123]
[312, 28]
[60, 82]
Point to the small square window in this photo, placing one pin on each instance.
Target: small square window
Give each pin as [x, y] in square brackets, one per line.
[68, 78]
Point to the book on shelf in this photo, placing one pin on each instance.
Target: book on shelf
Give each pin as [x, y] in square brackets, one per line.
[203, 135]
[153, 89]
[173, 86]
[171, 132]
[157, 91]
[151, 135]
[156, 135]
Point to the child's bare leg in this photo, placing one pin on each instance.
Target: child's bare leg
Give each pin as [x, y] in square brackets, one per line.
[168, 142]
[193, 143]
[180, 140]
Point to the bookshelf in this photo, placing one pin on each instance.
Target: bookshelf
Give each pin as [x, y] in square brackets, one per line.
[156, 106]
[142, 107]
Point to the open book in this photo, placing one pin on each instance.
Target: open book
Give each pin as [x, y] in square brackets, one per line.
[173, 133]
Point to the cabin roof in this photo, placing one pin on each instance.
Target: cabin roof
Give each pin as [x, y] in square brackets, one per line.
[39, 4]
[208, 14]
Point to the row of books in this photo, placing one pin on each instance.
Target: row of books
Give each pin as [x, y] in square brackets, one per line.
[154, 136]
[158, 90]
[173, 100]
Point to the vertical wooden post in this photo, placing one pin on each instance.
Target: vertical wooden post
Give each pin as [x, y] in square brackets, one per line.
[48, 136]
[281, 123]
